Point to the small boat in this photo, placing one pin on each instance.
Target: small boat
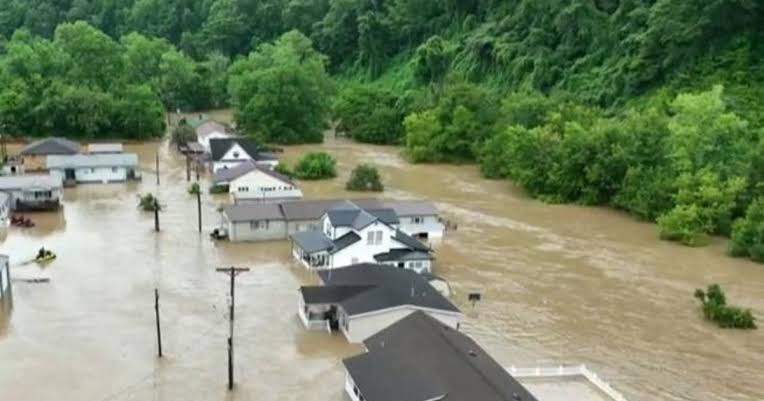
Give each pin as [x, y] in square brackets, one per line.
[49, 256]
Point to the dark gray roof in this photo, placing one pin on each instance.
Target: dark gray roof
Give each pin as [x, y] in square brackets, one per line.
[402, 255]
[330, 295]
[349, 214]
[411, 207]
[313, 209]
[387, 216]
[312, 241]
[51, 146]
[253, 212]
[418, 358]
[388, 287]
[220, 146]
[128, 160]
[410, 241]
[229, 174]
[345, 241]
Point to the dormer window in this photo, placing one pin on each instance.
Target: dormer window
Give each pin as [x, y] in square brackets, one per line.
[236, 154]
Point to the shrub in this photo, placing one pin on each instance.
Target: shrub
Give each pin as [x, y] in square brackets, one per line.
[149, 203]
[715, 309]
[684, 224]
[194, 189]
[748, 233]
[219, 189]
[365, 177]
[316, 166]
[183, 133]
[283, 168]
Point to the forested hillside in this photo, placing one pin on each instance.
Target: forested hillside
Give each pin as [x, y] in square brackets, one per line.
[651, 106]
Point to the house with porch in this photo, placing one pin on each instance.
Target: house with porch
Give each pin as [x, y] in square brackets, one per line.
[419, 358]
[35, 155]
[350, 235]
[94, 168]
[252, 182]
[33, 192]
[362, 300]
[226, 153]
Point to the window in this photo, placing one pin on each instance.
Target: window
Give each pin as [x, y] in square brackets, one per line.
[378, 240]
[370, 238]
[43, 194]
[417, 220]
[236, 154]
[258, 225]
[113, 169]
[92, 170]
[243, 189]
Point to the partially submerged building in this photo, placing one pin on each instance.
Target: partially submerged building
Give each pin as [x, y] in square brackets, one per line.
[362, 300]
[105, 148]
[306, 215]
[350, 235]
[35, 155]
[207, 130]
[419, 358]
[249, 181]
[94, 168]
[226, 153]
[33, 192]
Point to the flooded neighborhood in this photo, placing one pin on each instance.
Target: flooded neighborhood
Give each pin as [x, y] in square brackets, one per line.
[559, 286]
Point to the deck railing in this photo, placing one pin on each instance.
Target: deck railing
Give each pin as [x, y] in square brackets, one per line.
[568, 371]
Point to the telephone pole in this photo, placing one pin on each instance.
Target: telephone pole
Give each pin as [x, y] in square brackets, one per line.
[199, 207]
[159, 329]
[232, 272]
[157, 163]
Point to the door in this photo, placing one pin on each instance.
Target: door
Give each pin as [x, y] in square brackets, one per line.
[69, 174]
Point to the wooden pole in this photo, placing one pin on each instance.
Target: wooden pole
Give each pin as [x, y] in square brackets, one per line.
[199, 206]
[232, 272]
[159, 329]
[188, 168]
[156, 217]
[157, 166]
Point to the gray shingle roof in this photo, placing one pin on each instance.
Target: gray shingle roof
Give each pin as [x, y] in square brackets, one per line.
[253, 212]
[388, 287]
[410, 241]
[405, 208]
[345, 241]
[105, 148]
[312, 241]
[51, 146]
[310, 209]
[220, 146]
[15, 182]
[418, 358]
[402, 255]
[330, 295]
[230, 174]
[93, 160]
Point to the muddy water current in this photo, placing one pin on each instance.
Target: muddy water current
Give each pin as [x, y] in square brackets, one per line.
[560, 285]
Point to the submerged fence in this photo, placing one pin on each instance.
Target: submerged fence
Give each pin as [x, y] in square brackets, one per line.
[568, 371]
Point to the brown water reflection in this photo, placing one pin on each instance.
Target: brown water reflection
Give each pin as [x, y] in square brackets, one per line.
[561, 284]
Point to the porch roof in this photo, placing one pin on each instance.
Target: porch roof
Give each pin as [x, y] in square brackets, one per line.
[330, 295]
[312, 241]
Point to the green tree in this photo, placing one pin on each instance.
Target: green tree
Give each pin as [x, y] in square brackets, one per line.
[715, 308]
[97, 56]
[316, 166]
[747, 238]
[365, 177]
[370, 114]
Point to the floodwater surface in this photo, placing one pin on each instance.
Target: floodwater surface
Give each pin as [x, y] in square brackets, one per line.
[560, 285]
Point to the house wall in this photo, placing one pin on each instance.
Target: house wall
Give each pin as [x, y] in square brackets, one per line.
[362, 251]
[259, 185]
[295, 226]
[5, 280]
[95, 174]
[35, 163]
[361, 327]
[257, 230]
[29, 199]
[5, 211]
[423, 266]
[430, 225]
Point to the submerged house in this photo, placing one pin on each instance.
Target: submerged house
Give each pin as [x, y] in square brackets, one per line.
[227, 153]
[33, 192]
[207, 130]
[94, 168]
[419, 358]
[362, 300]
[249, 181]
[350, 235]
[306, 215]
[35, 155]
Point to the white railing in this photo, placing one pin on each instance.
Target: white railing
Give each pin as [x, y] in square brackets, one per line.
[568, 371]
[317, 325]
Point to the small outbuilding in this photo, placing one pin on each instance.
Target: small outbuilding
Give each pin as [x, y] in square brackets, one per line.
[94, 168]
[33, 192]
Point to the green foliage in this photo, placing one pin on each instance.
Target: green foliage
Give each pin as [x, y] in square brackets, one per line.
[747, 238]
[370, 114]
[194, 189]
[715, 309]
[316, 166]
[280, 92]
[283, 168]
[149, 203]
[218, 189]
[365, 177]
[183, 133]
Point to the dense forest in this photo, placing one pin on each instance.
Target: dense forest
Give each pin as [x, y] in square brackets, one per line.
[650, 106]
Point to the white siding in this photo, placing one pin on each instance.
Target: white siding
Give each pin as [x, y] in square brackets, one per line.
[95, 174]
[259, 185]
[418, 225]
[257, 231]
[205, 140]
[364, 326]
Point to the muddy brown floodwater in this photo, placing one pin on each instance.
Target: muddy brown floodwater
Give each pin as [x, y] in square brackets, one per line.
[561, 285]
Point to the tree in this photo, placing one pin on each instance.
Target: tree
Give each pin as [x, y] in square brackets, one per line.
[370, 114]
[715, 309]
[365, 177]
[316, 166]
[97, 56]
[280, 92]
[747, 238]
[183, 133]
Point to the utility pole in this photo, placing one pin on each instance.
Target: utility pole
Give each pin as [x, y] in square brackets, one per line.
[188, 168]
[159, 329]
[157, 165]
[156, 217]
[232, 272]
[199, 206]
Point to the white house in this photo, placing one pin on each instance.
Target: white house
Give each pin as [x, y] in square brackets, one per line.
[249, 181]
[94, 168]
[207, 130]
[105, 148]
[230, 152]
[33, 192]
[350, 235]
[418, 218]
[362, 300]
[419, 358]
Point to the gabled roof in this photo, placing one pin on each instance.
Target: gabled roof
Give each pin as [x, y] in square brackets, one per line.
[330, 295]
[312, 241]
[410, 241]
[402, 255]
[93, 160]
[418, 358]
[345, 241]
[407, 208]
[220, 146]
[388, 287]
[246, 167]
[51, 146]
[253, 212]
[348, 214]
[15, 182]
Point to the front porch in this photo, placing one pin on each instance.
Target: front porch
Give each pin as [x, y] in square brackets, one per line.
[316, 317]
[311, 249]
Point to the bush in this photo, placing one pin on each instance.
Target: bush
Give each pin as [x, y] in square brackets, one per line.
[748, 233]
[715, 309]
[283, 168]
[219, 189]
[316, 166]
[365, 177]
[149, 203]
[183, 133]
[684, 224]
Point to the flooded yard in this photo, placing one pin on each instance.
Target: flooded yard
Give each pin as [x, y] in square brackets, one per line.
[560, 285]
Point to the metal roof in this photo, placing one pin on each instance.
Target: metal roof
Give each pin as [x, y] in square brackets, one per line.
[418, 358]
[13, 182]
[312, 241]
[51, 146]
[93, 160]
[396, 255]
[253, 212]
[388, 287]
[245, 167]
[410, 241]
[105, 148]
